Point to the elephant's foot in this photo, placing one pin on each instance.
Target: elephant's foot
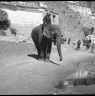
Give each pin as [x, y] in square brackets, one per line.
[61, 58]
[47, 60]
[41, 56]
[41, 59]
[47, 56]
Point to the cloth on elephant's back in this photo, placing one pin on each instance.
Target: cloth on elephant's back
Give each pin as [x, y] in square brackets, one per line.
[46, 32]
[51, 30]
[54, 29]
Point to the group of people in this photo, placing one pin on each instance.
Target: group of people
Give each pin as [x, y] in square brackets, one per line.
[64, 40]
[90, 39]
[77, 45]
[86, 42]
[89, 42]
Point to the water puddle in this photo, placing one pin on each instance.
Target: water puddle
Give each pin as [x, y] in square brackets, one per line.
[83, 77]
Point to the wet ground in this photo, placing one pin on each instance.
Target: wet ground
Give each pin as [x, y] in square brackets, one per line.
[82, 81]
[22, 73]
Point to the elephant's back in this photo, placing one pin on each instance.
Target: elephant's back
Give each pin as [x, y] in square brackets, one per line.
[36, 30]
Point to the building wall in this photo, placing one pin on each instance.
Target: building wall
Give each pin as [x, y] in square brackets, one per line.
[54, 20]
[81, 9]
[93, 7]
[22, 17]
[24, 21]
[68, 20]
[72, 18]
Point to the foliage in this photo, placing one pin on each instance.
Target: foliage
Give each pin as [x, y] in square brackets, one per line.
[13, 31]
[4, 21]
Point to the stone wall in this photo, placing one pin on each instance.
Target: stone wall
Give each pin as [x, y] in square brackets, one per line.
[69, 21]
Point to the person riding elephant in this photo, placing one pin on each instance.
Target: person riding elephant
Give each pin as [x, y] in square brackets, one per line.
[46, 21]
[43, 40]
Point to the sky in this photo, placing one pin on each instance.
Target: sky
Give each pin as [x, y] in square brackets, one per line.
[22, 17]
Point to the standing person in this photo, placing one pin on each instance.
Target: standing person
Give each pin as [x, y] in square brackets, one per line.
[65, 39]
[88, 42]
[78, 44]
[54, 19]
[84, 42]
[92, 30]
[69, 41]
[93, 35]
[92, 45]
[93, 42]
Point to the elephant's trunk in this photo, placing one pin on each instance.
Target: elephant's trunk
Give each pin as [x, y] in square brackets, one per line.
[59, 48]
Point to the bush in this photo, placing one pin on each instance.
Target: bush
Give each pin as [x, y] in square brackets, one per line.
[4, 21]
[2, 33]
[13, 31]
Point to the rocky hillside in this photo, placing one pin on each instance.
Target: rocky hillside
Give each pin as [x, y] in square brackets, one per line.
[70, 22]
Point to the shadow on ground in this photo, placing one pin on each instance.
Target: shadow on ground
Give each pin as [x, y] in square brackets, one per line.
[36, 57]
[54, 63]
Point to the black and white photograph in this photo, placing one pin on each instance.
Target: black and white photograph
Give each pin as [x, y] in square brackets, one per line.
[47, 47]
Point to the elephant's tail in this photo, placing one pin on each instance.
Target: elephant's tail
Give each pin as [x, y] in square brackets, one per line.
[35, 48]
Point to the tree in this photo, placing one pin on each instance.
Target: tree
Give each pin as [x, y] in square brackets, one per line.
[4, 21]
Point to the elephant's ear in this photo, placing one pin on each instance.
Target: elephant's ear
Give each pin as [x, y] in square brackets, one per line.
[46, 32]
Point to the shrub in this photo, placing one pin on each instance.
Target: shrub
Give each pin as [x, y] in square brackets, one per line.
[13, 31]
[4, 21]
[2, 33]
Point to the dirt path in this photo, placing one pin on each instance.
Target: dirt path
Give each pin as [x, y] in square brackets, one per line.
[22, 74]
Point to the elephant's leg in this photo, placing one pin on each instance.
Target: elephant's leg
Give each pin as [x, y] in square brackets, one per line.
[44, 51]
[46, 48]
[48, 51]
[38, 48]
[43, 46]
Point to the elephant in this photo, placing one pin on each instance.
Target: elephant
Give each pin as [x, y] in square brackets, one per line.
[43, 40]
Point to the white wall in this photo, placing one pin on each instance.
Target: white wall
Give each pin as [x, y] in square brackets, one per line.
[24, 21]
[21, 17]
[55, 20]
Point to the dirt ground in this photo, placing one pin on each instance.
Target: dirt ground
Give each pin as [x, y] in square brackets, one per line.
[21, 73]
